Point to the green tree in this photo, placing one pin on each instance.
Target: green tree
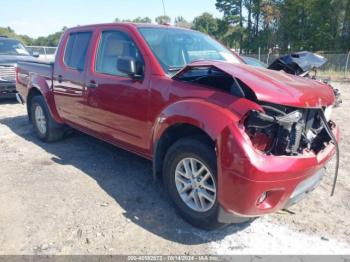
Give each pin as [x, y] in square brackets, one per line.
[26, 39]
[270, 13]
[206, 23]
[138, 19]
[50, 40]
[312, 25]
[181, 22]
[163, 19]
[256, 10]
[9, 32]
[345, 27]
[142, 20]
[248, 4]
[233, 14]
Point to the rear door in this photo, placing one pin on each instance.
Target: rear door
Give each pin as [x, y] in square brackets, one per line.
[116, 105]
[69, 76]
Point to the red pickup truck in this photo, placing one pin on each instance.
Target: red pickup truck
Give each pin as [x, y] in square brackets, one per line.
[230, 141]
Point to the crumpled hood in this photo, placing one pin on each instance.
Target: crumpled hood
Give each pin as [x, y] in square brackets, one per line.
[14, 59]
[276, 86]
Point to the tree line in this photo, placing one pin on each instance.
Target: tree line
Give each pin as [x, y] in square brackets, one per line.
[50, 40]
[274, 25]
[286, 25]
[250, 25]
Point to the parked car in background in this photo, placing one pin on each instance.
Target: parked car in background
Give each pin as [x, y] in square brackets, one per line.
[299, 63]
[253, 62]
[230, 141]
[11, 52]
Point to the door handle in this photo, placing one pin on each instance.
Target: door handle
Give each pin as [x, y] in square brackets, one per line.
[59, 78]
[92, 84]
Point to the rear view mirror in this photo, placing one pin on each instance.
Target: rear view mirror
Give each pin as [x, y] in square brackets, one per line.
[128, 65]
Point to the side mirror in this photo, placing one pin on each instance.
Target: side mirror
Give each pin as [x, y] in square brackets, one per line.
[35, 54]
[127, 65]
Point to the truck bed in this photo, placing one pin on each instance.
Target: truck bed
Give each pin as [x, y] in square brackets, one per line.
[30, 70]
[44, 69]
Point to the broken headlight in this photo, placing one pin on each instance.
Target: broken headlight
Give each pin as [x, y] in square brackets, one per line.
[275, 131]
[283, 130]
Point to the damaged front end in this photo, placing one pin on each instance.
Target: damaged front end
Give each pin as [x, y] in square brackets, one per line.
[291, 116]
[282, 130]
[285, 131]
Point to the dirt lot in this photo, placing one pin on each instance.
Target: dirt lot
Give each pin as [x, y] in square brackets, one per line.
[82, 196]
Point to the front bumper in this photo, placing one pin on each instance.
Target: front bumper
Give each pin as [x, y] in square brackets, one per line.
[246, 174]
[304, 188]
[7, 90]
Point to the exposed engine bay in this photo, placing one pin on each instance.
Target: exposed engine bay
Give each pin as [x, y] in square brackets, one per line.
[284, 130]
[217, 79]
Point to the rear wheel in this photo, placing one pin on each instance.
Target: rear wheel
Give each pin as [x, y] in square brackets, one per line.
[191, 181]
[44, 125]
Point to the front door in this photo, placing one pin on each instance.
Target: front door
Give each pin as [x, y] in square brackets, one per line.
[116, 105]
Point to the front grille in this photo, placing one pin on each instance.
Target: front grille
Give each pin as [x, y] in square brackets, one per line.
[7, 73]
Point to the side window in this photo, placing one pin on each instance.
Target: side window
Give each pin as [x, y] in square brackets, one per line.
[76, 50]
[113, 45]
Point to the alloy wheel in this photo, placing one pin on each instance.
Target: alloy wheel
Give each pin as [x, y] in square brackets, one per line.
[195, 184]
[40, 119]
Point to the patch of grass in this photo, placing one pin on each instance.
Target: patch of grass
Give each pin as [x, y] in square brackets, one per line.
[334, 75]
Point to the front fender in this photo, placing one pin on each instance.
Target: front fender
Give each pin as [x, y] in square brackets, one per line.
[210, 118]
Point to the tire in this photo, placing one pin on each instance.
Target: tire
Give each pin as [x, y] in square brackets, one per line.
[46, 129]
[189, 150]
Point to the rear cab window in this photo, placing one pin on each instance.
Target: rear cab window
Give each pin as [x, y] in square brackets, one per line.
[76, 50]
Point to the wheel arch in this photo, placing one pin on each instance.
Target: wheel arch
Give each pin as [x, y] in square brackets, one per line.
[170, 136]
[47, 94]
[184, 119]
[33, 91]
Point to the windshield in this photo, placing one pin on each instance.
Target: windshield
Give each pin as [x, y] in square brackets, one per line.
[12, 47]
[175, 48]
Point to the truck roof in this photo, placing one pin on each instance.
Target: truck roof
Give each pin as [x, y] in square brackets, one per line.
[126, 24]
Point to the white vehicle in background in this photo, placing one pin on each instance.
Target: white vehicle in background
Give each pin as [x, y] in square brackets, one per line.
[46, 53]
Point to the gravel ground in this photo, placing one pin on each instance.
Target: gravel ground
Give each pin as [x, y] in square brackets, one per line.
[83, 196]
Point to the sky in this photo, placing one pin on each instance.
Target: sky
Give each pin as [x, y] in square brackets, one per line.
[43, 17]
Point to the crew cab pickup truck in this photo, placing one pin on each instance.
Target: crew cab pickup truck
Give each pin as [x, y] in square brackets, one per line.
[229, 141]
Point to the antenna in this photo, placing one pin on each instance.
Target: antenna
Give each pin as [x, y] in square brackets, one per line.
[164, 8]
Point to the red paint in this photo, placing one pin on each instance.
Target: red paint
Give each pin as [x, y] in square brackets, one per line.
[276, 86]
[134, 115]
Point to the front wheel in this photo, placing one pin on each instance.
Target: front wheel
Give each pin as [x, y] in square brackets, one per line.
[44, 125]
[191, 181]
